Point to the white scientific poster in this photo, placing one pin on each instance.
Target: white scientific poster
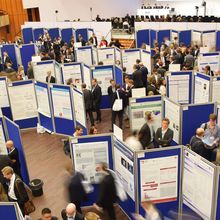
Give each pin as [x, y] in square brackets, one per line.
[129, 58]
[72, 71]
[58, 73]
[209, 40]
[18, 55]
[159, 179]
[4, 101]
[213, 61]
[137, 113]
[216, 90]
[79, 107]
[40, 71]
[3, 148]
[106, 55]
[174, 35]
[198, 186]
[146, 59]
[84, 55]
[95, 56]
[87, 155]
[218, 115]
[172, 112]
[62, 103]
[103, 77]
[124, 167]
[201, 94]
[43, 100]
[118, 54]
[179, 86]
[196, 38]
[23, 101]
[87, 76]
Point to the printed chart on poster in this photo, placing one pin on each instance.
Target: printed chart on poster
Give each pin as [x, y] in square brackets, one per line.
[43, 100]
[209, 40]
[40, 71]
[172, 111]
[87, 76]
[3, 149]
[201, 94]
[61, 103]
[213, 61]
[159, 179]
[103, 77]
[79, 107]
[179, 88]
[59, 79]
[196, 38]
[198, 185]
[124, 167]
[23, 101]
[84, 55]
[72, 72]
[4, 102]
[129, 59]
[107, 55]
[87, 155]
[137, 113]
[216, 90]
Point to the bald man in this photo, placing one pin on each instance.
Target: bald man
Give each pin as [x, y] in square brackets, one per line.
[198, 145]
[14, 156]
[70, 213]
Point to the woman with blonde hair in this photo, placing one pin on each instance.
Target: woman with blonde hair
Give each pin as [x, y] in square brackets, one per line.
[20, 73]
[91, 216]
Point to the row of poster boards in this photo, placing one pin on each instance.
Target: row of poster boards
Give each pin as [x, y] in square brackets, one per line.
[186, 87]
[180, 116]
[206, 39]
[176, 174]
[11, 211]
[55, 107]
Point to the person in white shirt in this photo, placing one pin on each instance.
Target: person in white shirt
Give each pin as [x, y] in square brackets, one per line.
[133, 142]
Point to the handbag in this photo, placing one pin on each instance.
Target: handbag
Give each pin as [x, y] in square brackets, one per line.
[118, 104]
[29, 207]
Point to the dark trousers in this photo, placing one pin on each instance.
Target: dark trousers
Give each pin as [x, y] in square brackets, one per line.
[21, 205]
[111, 212]
[98, 114]
[120, 118]
[89, 113]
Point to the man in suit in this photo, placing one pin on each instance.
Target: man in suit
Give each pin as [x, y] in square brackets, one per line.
[94, 40]
[137, 77]
[198, 145]
[164, 135]
[6, 59]
[71, 213]
[107, 191]
[144, 71]
[111, 90]
[87, 94]
[50, 78]
[76, 191]
[4, 162]
[14, 156]
[119, 94]
[97, 98]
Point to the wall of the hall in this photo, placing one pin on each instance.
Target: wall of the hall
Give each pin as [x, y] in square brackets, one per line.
[73, 9]
[17, 17]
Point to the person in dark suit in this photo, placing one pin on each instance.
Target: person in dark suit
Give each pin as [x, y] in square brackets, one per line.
[47, 215]
[50, 78]
[71, 213]
[146, 133]
[208, 71]
[152, 85]
[76, 191]
[94, 40]
[4, 162]
[14, 156]
[198, 145]
[6, 59]
[80, 39]
[96, 98]
[16, 190]
[111, 90]
[137, 77]
[196, 51]
[144, 71]
[87, 94]
[107, 191]
[119, 94]
[164, 135]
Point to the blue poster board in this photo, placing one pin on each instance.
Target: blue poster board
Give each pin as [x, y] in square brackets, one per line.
[54, 33]
[27, 34]
[163, 34]
[142, 36]
[8, 211]
[63, 125]
[67, 34]
[218, 41]
[26, 52]
[15, 135]
[6, 110]
[167, 204]
[153, 37]
[118, 75]
[185, 37]
[44, 120]
[37, 32]
[92, 197]
[10, 49]
[193, 119]
[98, 69]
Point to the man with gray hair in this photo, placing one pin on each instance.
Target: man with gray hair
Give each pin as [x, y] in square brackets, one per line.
[70, 213]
